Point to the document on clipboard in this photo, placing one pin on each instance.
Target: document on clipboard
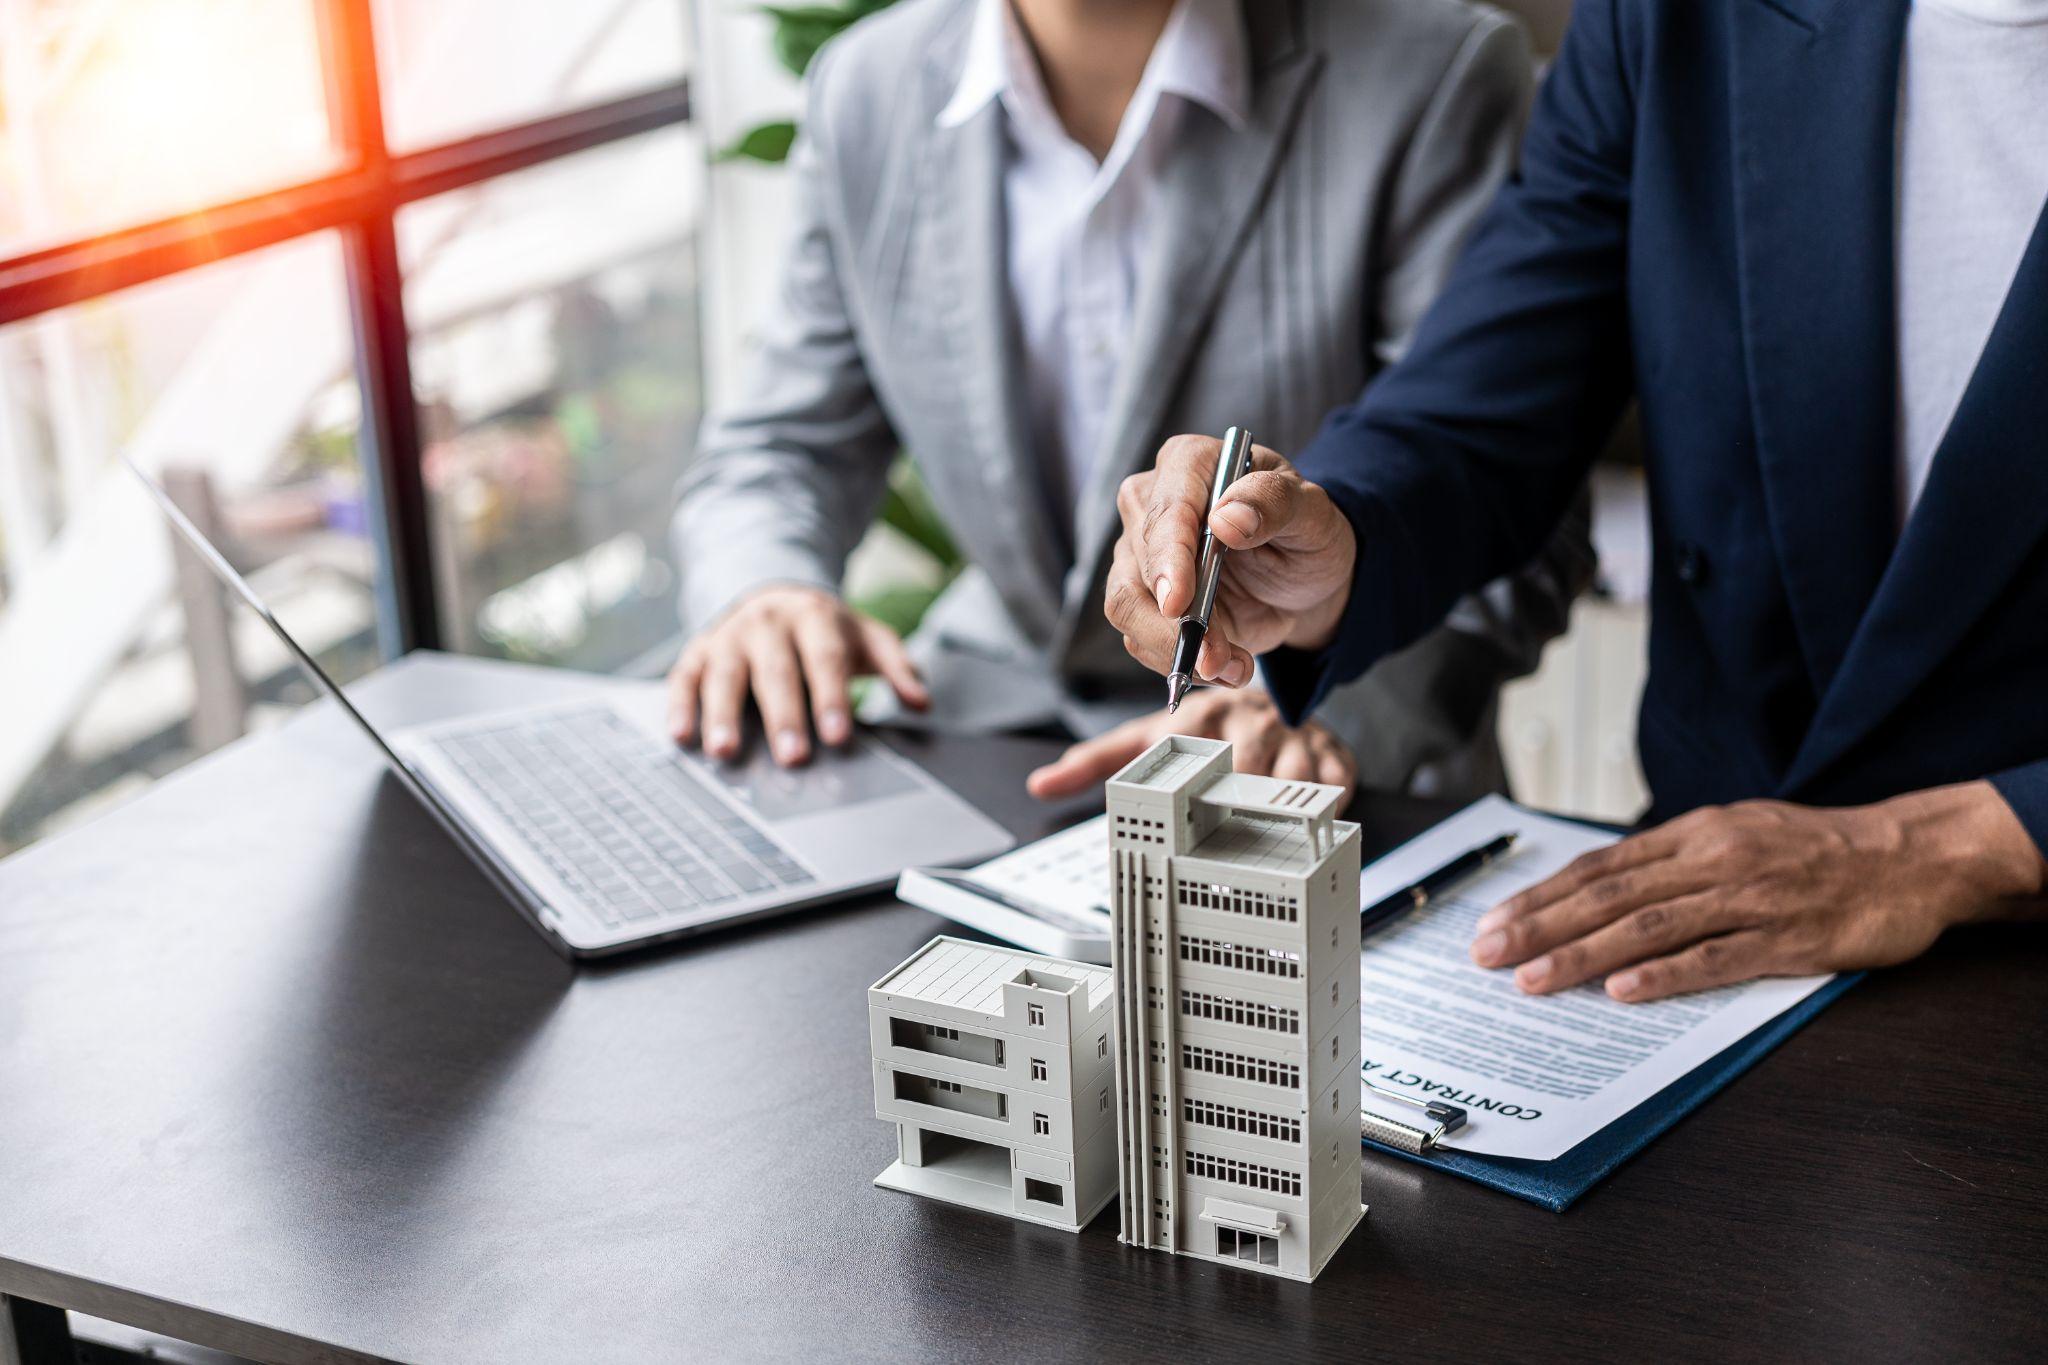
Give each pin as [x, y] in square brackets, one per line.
[1535, 1075]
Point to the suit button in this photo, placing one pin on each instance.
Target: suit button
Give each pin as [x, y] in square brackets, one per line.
[1691, 564]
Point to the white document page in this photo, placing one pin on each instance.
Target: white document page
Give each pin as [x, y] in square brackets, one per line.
[1068, 870]
[1536, 1074]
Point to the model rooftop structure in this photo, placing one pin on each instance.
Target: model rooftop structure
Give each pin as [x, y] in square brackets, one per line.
[1235, 950]
[995, 1066]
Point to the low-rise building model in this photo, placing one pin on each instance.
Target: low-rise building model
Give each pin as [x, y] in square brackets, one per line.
[995, 1066]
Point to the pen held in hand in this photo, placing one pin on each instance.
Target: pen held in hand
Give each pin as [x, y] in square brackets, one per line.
[1231, 464]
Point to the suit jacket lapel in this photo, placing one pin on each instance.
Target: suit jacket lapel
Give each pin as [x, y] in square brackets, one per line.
[958, 258]
[1216, 181]
[1984, 509]
[1027, 541]
[1814, 132]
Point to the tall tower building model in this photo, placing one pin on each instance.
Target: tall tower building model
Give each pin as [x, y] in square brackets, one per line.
[1235, 952]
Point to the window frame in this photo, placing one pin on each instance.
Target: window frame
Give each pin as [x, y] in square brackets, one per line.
[359, 200]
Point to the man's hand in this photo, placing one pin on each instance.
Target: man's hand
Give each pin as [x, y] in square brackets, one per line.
[788, 643]
[1285, 581]
[1763, 888]
[1262, 744]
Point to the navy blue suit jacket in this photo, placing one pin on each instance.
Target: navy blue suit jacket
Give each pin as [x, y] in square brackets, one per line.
[1703, 220]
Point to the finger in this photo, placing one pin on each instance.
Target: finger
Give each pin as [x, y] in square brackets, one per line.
[1168, 532]
[886, 652]
[1295, 760]
[1334, 764]
[1092, 761]
[1581, 872]
[825, 648]
[1221, 660]
[723, 696]
[1132, 609]
[1258, 508]
[1593, 906]
[779, 692]
[1707, 964]
[1255, 735]
[1653, 931]
[683, 681]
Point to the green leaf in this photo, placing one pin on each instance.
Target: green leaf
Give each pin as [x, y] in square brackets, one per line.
[898, 608]
[800, 30]
[767, 142]
[907, 508]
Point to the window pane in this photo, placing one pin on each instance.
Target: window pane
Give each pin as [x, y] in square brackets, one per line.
[555, 356]
[455, 67]
[114, 114]
[235, 382]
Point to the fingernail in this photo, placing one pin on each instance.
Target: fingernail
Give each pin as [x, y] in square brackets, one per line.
[1492, 919]
[833, 727]
[1238, 517]
[1159, 592]
[1487, 948]
[789, 746]
[720, 739]
[1623, 984]
[1531, 975]
[1236, 674]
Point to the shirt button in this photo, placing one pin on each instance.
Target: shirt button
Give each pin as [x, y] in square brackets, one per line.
[1691, 564]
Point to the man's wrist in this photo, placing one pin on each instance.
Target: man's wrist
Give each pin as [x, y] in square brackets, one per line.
[1971, 838]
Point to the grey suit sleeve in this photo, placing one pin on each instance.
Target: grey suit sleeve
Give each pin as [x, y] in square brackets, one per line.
[787, 479]
[1423, 718]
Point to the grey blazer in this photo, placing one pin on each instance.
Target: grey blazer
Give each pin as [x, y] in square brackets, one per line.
[1296, 255]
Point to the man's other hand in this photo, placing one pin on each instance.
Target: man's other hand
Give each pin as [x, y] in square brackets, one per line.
[798, 649]
[1763, 888]
[1262, 743]
[1285, 581]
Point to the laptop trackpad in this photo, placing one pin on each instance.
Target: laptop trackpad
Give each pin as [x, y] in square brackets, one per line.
[833, 780]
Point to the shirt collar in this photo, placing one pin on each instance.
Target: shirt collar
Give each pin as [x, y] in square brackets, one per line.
[1200, 56]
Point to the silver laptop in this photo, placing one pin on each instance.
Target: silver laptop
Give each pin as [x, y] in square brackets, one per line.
[607, 837]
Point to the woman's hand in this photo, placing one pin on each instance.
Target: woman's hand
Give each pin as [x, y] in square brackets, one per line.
[1764, 888]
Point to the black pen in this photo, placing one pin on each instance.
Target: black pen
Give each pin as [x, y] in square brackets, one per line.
[1418, 895]
[1231, 464]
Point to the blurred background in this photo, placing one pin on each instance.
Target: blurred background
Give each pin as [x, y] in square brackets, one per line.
[415, 306]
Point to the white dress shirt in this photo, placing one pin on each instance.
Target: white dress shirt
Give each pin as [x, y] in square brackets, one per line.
[1078, 229]
[1972, 179]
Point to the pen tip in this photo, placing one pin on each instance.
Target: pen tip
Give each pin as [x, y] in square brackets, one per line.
[1176, 688]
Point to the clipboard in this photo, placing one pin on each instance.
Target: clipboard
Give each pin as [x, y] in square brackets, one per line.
[1557, 1184]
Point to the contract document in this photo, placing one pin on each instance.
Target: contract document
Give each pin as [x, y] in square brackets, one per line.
[1536, 1075]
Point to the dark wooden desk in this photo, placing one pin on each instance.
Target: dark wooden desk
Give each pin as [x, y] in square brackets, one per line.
[279, 1074]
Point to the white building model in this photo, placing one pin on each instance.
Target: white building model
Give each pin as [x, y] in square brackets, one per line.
[995, 1067]
[1235, 948]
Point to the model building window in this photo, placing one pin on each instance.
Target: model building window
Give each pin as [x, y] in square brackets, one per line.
[1102, 1045]
[1037, 1069]
[1044, 1192]
[1247, 1246]
[1041, 1125]
[1102, 1101]
[1036, 1013]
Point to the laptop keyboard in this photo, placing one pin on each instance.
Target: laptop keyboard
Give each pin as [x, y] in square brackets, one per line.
[629, 829]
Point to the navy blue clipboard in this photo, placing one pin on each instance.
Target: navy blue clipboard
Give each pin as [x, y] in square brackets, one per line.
[1555, 1184]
